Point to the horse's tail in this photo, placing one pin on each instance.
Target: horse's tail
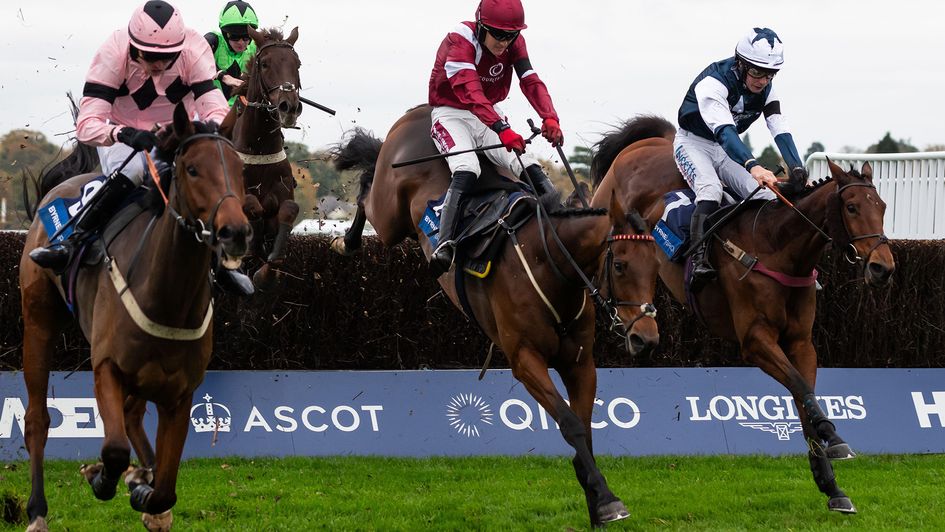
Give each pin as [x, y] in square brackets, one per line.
[636, 129]
[359, 153]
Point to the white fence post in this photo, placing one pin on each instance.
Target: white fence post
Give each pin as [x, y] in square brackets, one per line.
[911, 184]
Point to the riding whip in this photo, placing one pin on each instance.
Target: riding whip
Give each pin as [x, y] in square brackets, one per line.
[567, 167]
[452, 153]
[75, 218]
[318, 106]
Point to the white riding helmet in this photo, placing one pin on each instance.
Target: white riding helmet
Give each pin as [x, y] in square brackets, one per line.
[761, 48]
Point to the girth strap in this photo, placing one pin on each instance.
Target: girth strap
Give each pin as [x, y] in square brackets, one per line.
[142, 321]
[752, 263]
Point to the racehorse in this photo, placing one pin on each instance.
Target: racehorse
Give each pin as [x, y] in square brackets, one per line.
[546, 325]
[766, 305]
[146, 311]
[268, 101]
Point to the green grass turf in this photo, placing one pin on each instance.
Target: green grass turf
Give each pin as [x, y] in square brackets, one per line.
[506, 493]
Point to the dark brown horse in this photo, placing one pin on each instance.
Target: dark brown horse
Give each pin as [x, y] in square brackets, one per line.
[149, 327]
[769, 309]
[268, 101]
[535, 335]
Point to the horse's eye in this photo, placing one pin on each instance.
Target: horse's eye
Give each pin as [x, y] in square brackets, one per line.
[851, 208]
[263, 64]
[191, 171]
[620, 266]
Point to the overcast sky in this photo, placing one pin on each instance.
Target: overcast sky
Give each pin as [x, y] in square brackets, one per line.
[853, 70]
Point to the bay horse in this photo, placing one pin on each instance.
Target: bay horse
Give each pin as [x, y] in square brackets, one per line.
[267, 101]
[146, 311]
[766, 306]
[534, 335]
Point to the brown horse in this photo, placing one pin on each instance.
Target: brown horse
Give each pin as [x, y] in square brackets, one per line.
[767, 307]
[535, 335]
[268, 101]
[146, 312]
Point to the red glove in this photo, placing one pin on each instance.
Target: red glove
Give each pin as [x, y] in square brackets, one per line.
[551, 130]
[512, 140]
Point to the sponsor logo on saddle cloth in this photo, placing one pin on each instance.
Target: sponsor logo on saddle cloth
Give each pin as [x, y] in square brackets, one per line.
[672, 231]
[59, 211]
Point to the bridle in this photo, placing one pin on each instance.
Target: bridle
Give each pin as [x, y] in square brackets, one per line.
[647, 310]
[205, 232]
[287, 86]
[849, 252]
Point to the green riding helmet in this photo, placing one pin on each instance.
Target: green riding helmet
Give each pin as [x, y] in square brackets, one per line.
[239, 14]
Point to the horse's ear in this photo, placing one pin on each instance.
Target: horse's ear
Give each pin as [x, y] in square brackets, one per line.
[293, 36]
[838, 174]
[617, 216]
[867, 171]
[258, 37]
[183, 127]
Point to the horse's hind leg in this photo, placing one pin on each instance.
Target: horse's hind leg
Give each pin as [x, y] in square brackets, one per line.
[155, 503]
[43, 317]
[351, 242]
[529, 368]
[116, 453]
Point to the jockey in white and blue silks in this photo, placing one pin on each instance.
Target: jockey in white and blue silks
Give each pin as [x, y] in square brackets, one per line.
[723, 100]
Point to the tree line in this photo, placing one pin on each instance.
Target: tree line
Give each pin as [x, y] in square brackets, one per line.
[322, 191]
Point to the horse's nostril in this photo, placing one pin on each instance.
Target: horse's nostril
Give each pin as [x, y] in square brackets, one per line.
[878, 270]
[225, 233]
[284, 106]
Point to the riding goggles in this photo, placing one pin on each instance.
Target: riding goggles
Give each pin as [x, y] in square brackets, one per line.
[501, 35]
[758, 73]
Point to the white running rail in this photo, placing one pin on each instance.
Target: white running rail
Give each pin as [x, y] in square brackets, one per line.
[911, 184]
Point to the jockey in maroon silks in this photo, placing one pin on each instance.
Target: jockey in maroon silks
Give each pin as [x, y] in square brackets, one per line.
[472, 73]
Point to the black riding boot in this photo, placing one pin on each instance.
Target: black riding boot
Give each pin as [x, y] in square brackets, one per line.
[702, 271]
[442, 257]
[545, 190]
[100, 209]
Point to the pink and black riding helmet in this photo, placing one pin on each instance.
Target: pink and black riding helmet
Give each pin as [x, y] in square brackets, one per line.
[157, 27]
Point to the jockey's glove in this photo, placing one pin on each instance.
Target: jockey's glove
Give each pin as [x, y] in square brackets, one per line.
[138, 139]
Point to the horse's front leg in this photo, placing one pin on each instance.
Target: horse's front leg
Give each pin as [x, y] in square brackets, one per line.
[530, 368]
[134, 428]
[254, 211]
[580, 378]
[116, 452]
[760, 346]
[155, 503]
[818, 433]
[266, 276]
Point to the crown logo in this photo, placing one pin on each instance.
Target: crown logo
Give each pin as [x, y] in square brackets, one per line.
[215, 416]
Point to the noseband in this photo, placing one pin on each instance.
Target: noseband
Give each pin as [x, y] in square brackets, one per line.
[203, 232]
[647, 310]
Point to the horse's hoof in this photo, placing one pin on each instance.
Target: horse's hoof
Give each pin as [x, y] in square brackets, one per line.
[840, 451]
[138, 475]
[265, 278]
[338, 246]
[158, 523]
[38, 525]
[90, 471]
[612, 511]
[841, 504]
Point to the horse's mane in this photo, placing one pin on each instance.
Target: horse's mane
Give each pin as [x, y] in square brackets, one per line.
[809, 189]
[269, 35]
[636, 129]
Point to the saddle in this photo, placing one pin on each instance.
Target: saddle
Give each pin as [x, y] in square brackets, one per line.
[91, 250]
[496, 204]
